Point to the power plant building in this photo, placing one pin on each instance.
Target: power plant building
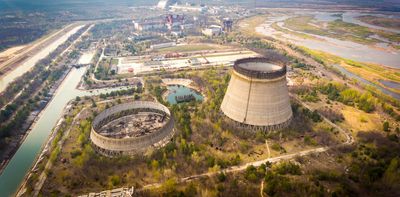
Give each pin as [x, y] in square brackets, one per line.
[257, 96]
[164, 4]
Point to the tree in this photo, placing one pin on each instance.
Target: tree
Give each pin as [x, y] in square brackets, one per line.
[386, 126]
[169, 186]
[114, 181]
[221, 177]
[154, 164]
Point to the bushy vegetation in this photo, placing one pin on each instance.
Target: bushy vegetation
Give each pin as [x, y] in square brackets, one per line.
[338, 92]
[123, 92]
[375, 162]
[33, 87]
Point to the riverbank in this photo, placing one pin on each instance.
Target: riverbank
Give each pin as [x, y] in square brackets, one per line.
[46, 146]
[381, 54]
[26, 155]
[19, 141]
[44, 150]
[370, 72]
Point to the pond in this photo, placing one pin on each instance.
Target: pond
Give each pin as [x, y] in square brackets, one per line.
[179, 93]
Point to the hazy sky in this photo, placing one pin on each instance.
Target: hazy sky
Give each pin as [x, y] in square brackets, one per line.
[62, 4]
[71, 4]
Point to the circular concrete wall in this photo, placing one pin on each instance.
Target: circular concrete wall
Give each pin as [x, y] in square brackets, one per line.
[129, 146]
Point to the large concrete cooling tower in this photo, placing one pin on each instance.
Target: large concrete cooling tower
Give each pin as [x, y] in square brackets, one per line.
[257, 95]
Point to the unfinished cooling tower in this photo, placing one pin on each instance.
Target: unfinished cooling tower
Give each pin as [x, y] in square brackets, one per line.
[257, 96]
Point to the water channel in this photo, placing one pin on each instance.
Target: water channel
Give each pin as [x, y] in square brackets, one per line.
[25, 156]
[27, 65]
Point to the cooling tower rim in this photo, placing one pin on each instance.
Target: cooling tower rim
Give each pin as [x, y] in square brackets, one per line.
[147, 106]
[237, 66]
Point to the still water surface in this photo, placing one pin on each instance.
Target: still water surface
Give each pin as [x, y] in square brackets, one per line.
[179, 90]
[25, 157]
[9, 77]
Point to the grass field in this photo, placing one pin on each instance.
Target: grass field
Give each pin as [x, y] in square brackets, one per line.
[358, 120]
[303, 24]
[247, 26]
[301, 35]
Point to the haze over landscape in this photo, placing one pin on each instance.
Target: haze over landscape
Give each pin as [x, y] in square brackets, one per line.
[200, 98]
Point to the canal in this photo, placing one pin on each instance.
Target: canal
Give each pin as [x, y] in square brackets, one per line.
[29, 63]
[25, 156]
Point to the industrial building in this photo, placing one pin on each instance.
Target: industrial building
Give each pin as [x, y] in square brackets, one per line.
[131, 128]
[174, 21]
[188, 8]
[164, 4]
[257, 96]
[228, 24]
[212, 30]
[151, 24]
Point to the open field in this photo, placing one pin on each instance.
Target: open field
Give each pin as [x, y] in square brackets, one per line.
[286, 31]
[358, 120]
[247, 25]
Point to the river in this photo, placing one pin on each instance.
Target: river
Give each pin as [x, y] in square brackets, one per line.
[352, 17]
[26, 154]
[346, 49]
[366, 82]
[28, 64]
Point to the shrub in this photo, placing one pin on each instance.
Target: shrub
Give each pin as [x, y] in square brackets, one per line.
[287, 168]
[386, 126]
